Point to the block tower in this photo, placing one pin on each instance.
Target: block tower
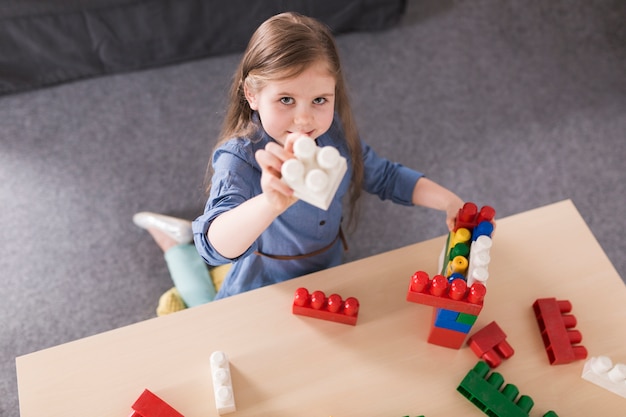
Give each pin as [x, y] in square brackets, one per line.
[458, 291]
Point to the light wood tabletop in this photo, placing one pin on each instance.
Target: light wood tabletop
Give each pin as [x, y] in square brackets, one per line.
[288, 365]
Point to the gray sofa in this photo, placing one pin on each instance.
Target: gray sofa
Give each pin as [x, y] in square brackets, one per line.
[47, 42]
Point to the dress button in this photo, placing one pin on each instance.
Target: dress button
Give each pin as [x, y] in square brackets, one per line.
[323, 222]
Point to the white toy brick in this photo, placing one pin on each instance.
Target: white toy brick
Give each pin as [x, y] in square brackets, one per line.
[600, 371]
[479, 260]
[222, 383]
[315, 173]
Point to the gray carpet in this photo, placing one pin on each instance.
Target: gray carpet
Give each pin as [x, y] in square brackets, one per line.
[515, 104]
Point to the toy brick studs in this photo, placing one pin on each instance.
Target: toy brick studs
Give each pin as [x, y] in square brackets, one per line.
[438, 292]
[333, 308]
[470, 217]
[222, 384]
[484, 392]
[315, 173]
[150, 405]
[600, 371]
[489, 344]
[560, 341]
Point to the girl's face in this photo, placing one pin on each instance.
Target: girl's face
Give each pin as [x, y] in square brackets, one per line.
[301, 104]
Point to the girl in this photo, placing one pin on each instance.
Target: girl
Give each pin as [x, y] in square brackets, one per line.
[289, 83]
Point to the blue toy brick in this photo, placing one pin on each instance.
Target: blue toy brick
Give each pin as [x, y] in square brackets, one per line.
[456, 275]
[483, 228]
[447, 315]
[447, 319]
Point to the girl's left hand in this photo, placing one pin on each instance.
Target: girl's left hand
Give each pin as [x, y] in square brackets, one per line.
[452, 210]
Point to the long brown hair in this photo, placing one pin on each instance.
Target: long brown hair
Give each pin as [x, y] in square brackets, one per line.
[283, 47]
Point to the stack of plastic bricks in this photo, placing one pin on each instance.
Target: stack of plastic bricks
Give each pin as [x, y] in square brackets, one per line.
[457, 293]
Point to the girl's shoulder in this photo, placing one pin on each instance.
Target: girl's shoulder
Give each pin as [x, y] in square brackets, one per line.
[241, 147]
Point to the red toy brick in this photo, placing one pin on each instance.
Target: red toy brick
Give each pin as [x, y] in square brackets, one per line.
[560, 340]
[486, 213]
[458, 288]
[445, 337]
[439, 293]
[469, 216]
[333, 308]
[150, 405]
[489, 344]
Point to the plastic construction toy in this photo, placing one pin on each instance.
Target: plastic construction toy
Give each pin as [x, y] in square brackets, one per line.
[560, 341]
[315, 173]
[479, 259]
[489, 344]
[222, 383]
[484, 392]
[456, 307]
[332, 308]
[466, 253]
[150, 405]
[600, 371]
[469, 216]
[457, 293]
[440, 293]
[450, 328]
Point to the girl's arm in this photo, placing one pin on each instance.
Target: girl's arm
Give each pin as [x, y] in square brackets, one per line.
[234, 231]
[428, 193]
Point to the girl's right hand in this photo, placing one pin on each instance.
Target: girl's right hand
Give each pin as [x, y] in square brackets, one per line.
[278, 194]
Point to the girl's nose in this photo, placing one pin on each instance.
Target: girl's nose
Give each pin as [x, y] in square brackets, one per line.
[303, 117]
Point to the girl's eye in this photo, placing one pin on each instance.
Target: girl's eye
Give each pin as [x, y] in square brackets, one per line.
[286, 100]
[319, 100]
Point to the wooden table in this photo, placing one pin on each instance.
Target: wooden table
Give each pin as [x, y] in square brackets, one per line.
[287, 365]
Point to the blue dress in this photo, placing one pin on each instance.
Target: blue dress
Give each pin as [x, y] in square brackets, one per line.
[302, 228]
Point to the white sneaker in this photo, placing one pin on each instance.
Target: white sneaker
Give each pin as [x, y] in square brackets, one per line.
[177, 229]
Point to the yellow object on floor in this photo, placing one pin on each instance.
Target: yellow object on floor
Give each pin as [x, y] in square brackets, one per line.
[218, 274]
[171, 301]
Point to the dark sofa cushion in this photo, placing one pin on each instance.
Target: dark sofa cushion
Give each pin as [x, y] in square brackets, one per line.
[47, 42]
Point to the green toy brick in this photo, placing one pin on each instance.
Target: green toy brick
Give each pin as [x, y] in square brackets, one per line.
[466, 319]
[484, 392]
